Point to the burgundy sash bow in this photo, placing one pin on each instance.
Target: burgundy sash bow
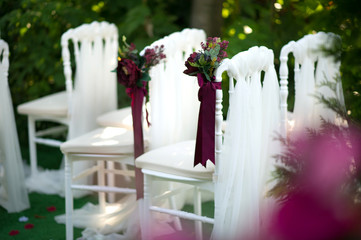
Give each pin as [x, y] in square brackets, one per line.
[205, 146]
[137, 94]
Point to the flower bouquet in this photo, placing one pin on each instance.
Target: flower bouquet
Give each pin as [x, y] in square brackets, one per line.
[206, 61]
[203, 64]
[133, 68]
[133, 72]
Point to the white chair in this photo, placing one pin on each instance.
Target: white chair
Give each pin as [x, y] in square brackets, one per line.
[13, 194]
[175, 162]
[309, 78]
[116, 143]
[247, 160]
[92, 93]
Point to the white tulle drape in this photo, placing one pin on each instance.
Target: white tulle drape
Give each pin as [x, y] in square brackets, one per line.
[13, 193]
[246, 158]
[94, 93]
[95, 89]
[173, 95]
[316, 69]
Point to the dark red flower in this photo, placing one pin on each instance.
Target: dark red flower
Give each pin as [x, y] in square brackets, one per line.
[128, 73]
[51, 209]
[14, 232]
[190, 69]
[29, 226]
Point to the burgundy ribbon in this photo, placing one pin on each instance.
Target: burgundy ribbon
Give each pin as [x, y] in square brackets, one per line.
[137, 94]
[205, 146]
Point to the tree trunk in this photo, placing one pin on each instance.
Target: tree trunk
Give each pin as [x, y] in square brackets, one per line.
[207, 15]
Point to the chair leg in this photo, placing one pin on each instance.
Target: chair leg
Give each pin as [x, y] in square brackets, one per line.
[101, 182]
[32, 146]
[145, 220]
[68, 199]
[198, 210]
[110, 181]
[125, 168]
[172, 202]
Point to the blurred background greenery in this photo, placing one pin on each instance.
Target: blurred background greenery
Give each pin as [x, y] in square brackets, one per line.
[33, 29]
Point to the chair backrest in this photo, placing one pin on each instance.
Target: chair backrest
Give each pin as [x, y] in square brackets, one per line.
[95, 48]
[13, 194]
[173, 94]
[246, 160]
[309, 79]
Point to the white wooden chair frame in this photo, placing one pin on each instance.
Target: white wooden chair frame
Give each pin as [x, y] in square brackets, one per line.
[288, 48]
[292, 47]
[101, 188]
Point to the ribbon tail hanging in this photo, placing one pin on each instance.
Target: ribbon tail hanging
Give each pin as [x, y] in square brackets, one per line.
[205, 141]
[137, 109]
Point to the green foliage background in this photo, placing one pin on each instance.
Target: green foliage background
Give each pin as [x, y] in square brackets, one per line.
[33, 29]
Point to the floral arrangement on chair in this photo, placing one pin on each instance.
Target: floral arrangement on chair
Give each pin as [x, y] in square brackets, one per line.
[133, 72]
[203, 64]
[133, 68]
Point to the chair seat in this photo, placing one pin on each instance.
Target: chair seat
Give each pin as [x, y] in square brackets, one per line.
[107, 141]
[117, 118]
[175, 159]
[52, 105]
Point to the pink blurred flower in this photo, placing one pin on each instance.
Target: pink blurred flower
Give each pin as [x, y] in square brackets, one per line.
[322, 191]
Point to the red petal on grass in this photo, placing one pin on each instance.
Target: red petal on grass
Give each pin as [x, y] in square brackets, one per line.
[29, 226]
[38, 216]
[14, 232]
[51, 209]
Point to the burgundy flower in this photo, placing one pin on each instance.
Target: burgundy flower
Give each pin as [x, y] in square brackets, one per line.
[14, 232]
[132, 47]
[29, 226]
[190, 69]
[128, 73]
[153, 56]
[51, 209]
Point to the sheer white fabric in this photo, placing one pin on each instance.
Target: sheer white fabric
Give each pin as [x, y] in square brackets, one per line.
[95, 83]
[311, 80]
[246, 157]
[173, 95]
[175, 104]
[13, 194]
[95, 92]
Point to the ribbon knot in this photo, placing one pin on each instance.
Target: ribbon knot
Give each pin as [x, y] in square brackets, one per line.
[205, 141]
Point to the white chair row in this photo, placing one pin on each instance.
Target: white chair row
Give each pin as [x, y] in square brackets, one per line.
[244, 168]
[174, 107]
[174, 162]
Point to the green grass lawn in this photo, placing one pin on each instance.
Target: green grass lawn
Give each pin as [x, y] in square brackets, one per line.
[43, 209]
